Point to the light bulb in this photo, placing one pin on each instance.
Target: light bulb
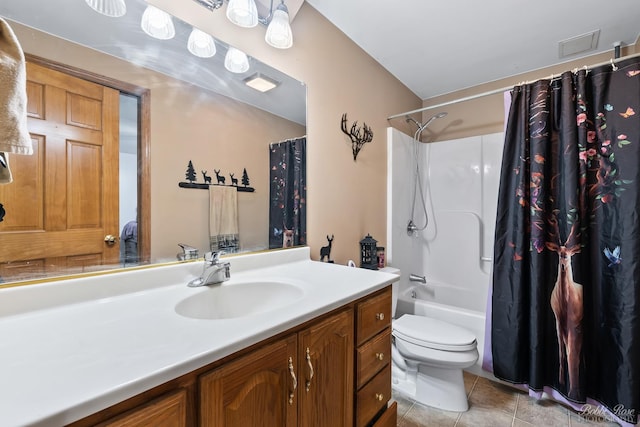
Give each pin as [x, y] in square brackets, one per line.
[111, 8]
[236, 61]
[157, 23]
[279, 34]
[201, 44]
[243, 13]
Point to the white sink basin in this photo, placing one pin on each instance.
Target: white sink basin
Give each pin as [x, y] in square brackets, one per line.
[238, 299]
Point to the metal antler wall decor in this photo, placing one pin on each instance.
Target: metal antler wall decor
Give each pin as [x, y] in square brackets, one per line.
[359, 135]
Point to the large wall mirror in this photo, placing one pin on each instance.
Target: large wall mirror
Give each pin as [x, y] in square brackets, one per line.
[179, 123]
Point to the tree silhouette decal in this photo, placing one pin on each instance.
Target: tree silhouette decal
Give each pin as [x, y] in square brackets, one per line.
[191, 172]
[245, 177]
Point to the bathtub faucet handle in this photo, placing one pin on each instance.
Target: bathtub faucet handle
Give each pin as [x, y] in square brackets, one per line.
[417, 278]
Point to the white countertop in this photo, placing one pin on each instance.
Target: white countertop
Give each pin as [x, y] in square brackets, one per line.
[74, 347]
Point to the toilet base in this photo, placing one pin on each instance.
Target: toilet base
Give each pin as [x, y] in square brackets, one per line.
[436, 387]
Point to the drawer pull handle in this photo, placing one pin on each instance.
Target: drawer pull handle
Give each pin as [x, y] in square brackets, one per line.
[294, 381]
[308, 384]
[380, 356]
[379, 316]
[379, 397]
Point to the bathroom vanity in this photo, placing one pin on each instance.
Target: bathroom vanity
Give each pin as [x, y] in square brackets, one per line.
[126, 349]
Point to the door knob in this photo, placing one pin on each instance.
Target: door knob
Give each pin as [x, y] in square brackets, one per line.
[110, 240]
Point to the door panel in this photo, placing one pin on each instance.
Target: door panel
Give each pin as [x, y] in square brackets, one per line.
[326, 372]
[64, 198]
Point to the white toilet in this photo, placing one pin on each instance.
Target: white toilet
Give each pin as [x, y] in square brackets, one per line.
[428, 357]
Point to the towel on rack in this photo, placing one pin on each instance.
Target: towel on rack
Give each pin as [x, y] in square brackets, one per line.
[223, 219]
[14, 135]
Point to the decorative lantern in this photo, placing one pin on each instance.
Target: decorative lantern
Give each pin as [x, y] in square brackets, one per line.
[368, 255]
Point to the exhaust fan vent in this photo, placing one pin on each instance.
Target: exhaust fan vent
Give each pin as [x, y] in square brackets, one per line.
[578, 44]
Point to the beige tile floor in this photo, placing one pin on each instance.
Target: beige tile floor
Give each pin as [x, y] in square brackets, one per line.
[493, 405]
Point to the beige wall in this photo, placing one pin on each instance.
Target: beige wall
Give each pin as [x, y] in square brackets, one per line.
[188, 123]
[345, 198]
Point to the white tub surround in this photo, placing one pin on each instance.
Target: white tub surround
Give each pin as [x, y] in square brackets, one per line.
[74, 347]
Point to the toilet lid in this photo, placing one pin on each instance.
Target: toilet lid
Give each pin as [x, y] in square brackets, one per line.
[433, 333]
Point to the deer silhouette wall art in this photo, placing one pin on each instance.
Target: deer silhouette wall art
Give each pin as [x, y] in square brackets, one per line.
[325, 251]
[358, 135]
[207, 178]
[221, 179]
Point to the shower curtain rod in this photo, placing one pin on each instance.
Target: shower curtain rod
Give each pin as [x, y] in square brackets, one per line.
[611, 62]
[271, 144]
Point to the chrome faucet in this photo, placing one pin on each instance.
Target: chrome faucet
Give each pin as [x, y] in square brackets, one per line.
[213, 272]
[417, 278]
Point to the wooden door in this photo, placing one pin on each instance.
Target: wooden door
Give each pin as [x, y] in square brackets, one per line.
[64, 198]
[254, 390]
[326, 350]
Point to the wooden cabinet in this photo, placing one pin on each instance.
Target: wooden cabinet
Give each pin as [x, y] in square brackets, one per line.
[262, 382]
[166, 411]
[326, 372]
[331, 371]
[305, 379]
[373, 357]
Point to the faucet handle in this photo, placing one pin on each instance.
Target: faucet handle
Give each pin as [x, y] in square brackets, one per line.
[213, 257]
[188, 252]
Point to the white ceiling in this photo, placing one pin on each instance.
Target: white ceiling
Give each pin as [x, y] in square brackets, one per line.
[440, 47]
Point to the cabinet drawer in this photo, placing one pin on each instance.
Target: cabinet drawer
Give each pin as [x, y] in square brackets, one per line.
[373, 316]
[389, 417]
[373, 397]
[373, 356]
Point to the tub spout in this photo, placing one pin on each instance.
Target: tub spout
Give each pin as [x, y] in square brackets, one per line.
[417, 278]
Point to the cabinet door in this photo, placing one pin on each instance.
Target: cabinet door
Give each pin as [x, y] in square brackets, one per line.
[168, 411]
[257, 389]
[326, 372]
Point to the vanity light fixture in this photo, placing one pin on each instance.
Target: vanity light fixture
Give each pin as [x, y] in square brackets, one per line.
[201, 44]
[244, 13]
[111, 8]
[279, 34]
[260, 82]
[211, 4]
[236, 61]
[157, 23]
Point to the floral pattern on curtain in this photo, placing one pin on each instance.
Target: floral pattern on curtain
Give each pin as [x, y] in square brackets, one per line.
[288, 193]
[565, 308]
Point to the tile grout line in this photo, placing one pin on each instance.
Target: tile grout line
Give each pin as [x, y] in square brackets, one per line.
[515, 411]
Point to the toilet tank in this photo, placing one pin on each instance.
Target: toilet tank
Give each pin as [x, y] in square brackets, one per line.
[394, 288]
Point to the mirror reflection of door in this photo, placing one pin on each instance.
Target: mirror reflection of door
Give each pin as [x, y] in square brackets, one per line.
[62, 210]
[128, 223]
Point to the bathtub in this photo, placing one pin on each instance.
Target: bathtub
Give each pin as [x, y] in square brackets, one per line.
[454, 306]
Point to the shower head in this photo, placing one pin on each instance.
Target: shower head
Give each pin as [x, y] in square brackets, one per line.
[432, 118]
[412, 120]
[422, 126]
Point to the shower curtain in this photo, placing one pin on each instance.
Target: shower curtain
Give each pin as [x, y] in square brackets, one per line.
[566, 282]
[288, 193]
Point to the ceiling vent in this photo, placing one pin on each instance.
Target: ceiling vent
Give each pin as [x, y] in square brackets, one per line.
[578, 44]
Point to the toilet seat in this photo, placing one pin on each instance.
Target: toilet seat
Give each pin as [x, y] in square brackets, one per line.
[433, 334]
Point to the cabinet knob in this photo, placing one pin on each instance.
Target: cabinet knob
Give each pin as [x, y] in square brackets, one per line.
[379, 316]
[380, 356]
[379, 397]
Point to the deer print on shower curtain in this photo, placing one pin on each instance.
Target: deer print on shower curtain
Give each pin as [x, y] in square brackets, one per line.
[566, 303]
